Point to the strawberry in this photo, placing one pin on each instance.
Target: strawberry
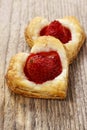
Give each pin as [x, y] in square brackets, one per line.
[43, 66]
[57, 30]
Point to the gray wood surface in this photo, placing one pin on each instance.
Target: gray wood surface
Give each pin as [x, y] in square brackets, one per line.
[19, 113]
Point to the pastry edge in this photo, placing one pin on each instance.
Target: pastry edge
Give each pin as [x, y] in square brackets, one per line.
[16, 89]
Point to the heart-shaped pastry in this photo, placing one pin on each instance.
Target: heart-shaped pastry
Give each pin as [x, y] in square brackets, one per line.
[68, 30]
[41, 74]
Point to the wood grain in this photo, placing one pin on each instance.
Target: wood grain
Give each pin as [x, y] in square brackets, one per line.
[19, 113]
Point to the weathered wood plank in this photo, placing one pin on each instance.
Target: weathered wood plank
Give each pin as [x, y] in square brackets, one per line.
[10, 99]
[4, 38]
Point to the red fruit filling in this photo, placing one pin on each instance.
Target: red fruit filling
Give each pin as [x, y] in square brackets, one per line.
[57, 30]
[43, 66]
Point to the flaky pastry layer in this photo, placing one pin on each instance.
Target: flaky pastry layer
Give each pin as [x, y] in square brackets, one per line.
[53, 89]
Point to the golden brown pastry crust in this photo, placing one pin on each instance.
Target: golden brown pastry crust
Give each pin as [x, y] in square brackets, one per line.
[78, 37]
[72, 47]
[53, 89]
[32, 30]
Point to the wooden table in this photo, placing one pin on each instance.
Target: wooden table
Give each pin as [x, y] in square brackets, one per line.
[19, 113]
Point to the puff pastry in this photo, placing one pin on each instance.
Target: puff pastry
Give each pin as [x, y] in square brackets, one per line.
[53, 89]
[72, 48]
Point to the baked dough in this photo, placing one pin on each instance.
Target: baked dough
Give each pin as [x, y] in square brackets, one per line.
[53, 89]
[72, 47]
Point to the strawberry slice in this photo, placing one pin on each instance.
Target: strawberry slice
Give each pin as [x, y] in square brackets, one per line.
[57, 30]
[43, 66]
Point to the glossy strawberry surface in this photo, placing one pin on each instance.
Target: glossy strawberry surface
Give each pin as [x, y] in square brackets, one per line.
[43, 66]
